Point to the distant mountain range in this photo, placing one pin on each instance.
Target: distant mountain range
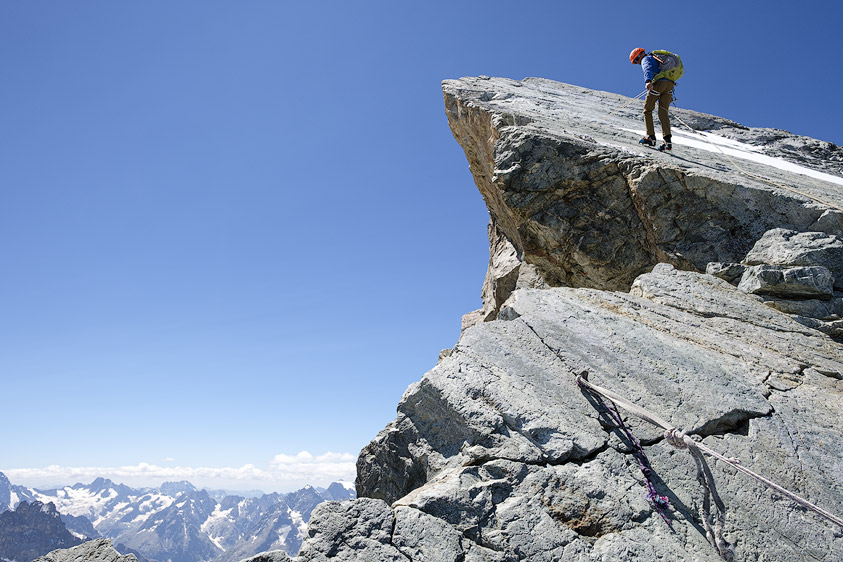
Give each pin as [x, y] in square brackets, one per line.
[176, 522]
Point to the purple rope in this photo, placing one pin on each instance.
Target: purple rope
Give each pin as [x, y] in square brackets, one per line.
[660, 503]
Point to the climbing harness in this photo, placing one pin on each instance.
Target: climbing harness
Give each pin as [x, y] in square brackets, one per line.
[675, 437]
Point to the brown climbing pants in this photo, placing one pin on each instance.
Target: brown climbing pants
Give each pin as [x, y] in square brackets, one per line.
[662, 93]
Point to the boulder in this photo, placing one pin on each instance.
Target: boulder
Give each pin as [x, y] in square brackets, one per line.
[502, 418]
[829, 310]
[789, 248]
[791, 282]
[727, 271]
[269, 556]
[342, 531]
[834, 328]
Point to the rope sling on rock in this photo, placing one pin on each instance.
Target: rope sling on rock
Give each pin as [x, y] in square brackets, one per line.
[677, 438]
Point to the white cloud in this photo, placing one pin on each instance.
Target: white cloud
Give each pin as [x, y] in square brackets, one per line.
[284, 473]
[336, 466]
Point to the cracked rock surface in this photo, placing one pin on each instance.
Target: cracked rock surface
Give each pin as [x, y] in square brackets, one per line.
[510, 459]
[597, 256]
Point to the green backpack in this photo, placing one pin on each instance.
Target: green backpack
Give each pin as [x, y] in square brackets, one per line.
[670, 66]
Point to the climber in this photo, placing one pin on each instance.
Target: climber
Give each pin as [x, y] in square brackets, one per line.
[661, 71]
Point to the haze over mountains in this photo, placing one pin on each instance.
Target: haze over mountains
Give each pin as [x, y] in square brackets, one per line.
[175, 521]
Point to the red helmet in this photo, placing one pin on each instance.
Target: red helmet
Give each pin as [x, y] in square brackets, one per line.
[633, 56]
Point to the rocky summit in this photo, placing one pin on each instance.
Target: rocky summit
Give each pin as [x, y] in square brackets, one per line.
[703, 286]
[99, 550]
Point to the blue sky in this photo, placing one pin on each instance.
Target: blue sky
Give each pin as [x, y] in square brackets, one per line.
[233, 233]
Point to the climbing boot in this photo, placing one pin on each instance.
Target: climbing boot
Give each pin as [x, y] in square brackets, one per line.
[666, 147]
[649, 141]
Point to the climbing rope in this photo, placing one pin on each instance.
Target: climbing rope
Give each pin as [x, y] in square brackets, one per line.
[675, 437]
[638, 97]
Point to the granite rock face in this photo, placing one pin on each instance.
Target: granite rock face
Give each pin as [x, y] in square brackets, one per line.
[597, 256]
[521, 465]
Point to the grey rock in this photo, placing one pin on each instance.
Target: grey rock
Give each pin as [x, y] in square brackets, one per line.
[420, 536]
[792, 282]
[565, 181]
[519, 463]
[501, 278]
[506, 272]
[726, 271]
[834, 328]
[596, 253]
[99, 550]
[830, 221]
[790, 248]
[269, 556]
[831, 309]
[352, 530]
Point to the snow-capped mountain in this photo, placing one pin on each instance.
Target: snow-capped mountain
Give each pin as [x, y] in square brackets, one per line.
[11, 495]
[179, 523]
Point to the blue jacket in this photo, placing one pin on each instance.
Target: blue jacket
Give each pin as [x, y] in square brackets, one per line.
[650, 66]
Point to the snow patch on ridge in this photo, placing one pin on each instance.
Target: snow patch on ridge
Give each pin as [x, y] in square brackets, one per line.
[78, 501]
[298, 523]
[714, 143]
[217, 515]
